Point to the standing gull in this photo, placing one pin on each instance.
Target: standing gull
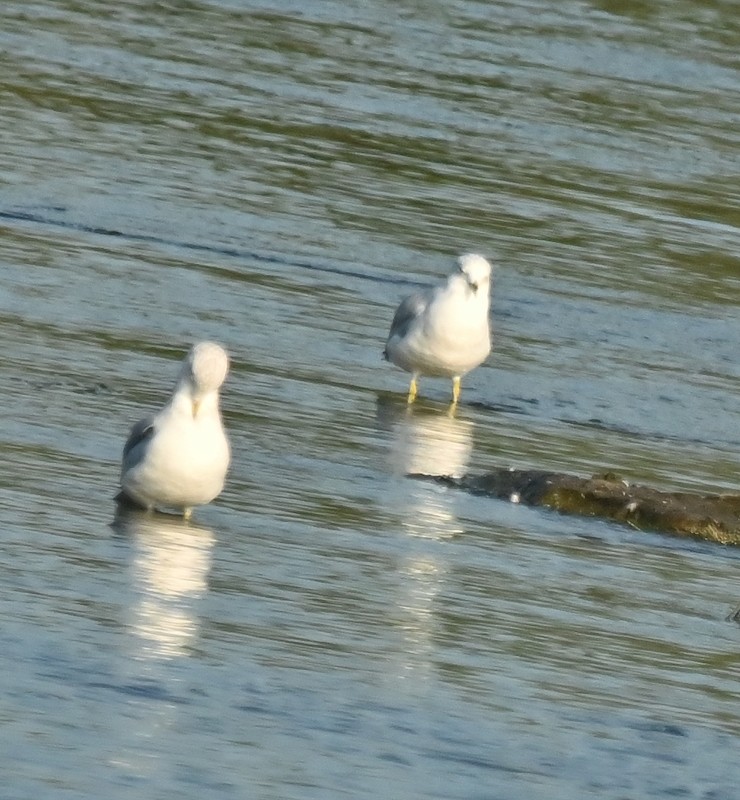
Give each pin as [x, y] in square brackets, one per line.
[178, 458]
[444, 332]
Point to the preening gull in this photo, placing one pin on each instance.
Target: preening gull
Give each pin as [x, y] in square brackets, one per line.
[178, 458]
[444, 331]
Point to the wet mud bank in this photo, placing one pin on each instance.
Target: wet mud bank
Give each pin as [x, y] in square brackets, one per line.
[714, 518]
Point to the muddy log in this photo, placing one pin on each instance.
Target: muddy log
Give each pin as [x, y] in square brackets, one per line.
[714, 518]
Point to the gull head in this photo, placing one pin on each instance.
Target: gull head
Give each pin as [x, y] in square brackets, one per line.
[204, 371]
[476, 270]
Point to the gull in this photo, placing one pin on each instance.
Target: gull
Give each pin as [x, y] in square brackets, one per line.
[444, 332]
[178, 458]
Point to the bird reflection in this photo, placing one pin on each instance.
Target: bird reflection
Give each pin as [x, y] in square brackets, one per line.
[170, 563]
[431, 443]
[424, 442]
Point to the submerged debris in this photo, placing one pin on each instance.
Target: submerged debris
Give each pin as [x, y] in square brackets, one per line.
[714, 518]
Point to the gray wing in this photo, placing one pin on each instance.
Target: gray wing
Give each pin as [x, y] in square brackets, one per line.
[142, 431]
[410, 309]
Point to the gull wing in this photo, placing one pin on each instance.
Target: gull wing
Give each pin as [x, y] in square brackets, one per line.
[142, 431]
[411, 308]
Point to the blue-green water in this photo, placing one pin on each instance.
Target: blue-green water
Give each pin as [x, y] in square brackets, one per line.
[277, 178]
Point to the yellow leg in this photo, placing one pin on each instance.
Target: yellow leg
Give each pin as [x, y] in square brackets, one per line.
[455, 389]
[412, 390]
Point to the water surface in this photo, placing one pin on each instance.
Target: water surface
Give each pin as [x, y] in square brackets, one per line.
[277, 178]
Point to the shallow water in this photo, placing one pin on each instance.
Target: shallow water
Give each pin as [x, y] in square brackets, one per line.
[277, 178]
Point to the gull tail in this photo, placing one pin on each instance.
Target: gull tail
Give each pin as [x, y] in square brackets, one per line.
[125, 501]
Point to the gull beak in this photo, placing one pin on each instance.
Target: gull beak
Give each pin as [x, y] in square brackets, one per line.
[471, 283]
[196, 406]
